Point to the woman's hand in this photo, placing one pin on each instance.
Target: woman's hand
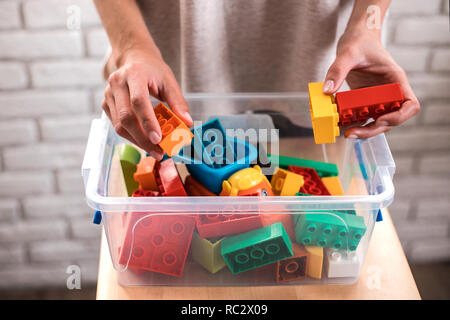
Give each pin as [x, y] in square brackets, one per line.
[127, 98]
[363, 62]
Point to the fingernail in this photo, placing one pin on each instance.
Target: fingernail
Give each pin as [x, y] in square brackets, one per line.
[352, 136]
[155, 138]
[188, 117]
[155, 155]
[328, 86]
[382, 124]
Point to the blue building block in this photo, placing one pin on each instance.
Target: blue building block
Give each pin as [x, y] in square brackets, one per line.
[97, 217]
[212, 178]
[211, 144]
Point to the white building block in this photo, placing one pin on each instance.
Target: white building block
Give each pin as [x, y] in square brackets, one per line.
[343, 263]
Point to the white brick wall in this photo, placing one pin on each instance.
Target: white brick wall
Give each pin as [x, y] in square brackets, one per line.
[51, 87]
[14, 75]
[420, 40]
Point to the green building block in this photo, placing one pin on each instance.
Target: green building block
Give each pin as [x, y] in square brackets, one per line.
[334, 230]
[256, 248]
[324, 169]
[129, 158]
[206, 252]
[295, 216]
[301, 194]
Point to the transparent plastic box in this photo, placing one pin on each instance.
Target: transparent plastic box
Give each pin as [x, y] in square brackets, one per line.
[365, 168]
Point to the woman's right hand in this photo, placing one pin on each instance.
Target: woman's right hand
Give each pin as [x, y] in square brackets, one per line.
[127, 98]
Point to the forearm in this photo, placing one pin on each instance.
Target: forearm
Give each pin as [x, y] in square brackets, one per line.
[364, 19]
[126, 28]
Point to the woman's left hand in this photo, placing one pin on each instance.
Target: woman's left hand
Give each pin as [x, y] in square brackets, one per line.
[362, 60]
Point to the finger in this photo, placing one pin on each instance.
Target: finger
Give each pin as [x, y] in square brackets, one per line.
[174, 98]
[337, 73]
[365, 132]
[127, 120]
[140, 101]
[409, 108]
[108, 104]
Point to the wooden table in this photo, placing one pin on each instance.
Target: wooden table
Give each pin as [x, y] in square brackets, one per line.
[385, 275]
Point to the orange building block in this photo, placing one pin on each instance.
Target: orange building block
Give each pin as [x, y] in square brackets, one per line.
[196, 189]
[175, 134]
[295, 267]
[146, 174]
[333, 185]
[286, 183]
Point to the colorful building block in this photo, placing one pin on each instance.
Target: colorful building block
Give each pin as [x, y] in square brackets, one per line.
[324, 114]
[333, 185]
[323, 169]
[256, 248]
[158, 243]
[247, 182]
[313, 184]
[343, 263]
[293, 268]
[315, 262]
[285, 218]
[145, 193]
[217, 225]
[169, 181]
[330, 230]
[358, 105]
[206, 252]
[129, 158]
[286, 183]
[301, 194]
[175, 134]
[146, 173]
[212, 146]
[211, 177]
[196, 189]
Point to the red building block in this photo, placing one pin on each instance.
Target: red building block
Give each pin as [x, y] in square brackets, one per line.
[158, 243]
[312, 182]
[145, 193]
[215, 225]
[175, 134]
[196, 189]
[146, 173]
[293, 268]
[169, 181]
[361, 104]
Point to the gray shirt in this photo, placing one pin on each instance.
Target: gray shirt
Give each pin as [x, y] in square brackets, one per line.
[246, 45]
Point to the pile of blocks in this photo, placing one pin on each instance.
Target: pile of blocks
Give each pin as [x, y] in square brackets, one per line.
[295, 246]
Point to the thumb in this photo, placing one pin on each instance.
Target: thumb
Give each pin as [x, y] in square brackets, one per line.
[175, 100]
[337, 73]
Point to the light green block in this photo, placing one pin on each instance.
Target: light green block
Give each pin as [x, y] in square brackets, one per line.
[129, 158]
[206, 252]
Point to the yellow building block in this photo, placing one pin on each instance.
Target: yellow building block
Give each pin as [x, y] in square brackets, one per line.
[333, 185]
[207, 253]
[324, 114]
[286, 183]
[315, 262]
